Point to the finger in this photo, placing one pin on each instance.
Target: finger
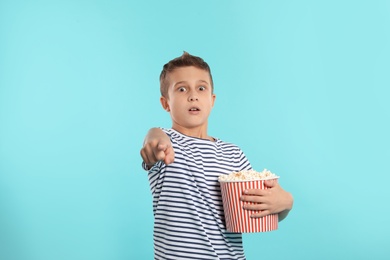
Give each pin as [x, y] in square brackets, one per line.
[270, 183]
[168, 152]
[148, 157]
[257, 192]
[169, 155]
[152, 154]
[261, 214]
[254, 199]
[158, 155]
[256, 206]
[162, 146]
[143, 156]
[159, 151]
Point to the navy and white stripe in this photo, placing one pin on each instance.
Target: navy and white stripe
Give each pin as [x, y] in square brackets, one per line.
[187, 204]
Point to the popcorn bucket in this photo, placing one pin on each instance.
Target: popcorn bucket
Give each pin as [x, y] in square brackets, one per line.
[237, 219]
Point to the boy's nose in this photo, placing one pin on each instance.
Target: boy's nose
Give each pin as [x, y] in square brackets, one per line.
[193, 98]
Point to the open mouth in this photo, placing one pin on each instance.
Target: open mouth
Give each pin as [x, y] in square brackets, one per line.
[194, 109]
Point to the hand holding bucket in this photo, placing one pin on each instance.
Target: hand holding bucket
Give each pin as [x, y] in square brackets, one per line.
[237, 219]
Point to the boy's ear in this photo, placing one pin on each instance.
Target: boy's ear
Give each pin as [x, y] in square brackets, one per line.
[213, 97]
[164, 103]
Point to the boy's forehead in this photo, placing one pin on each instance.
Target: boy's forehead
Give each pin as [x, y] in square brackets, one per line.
[188, 74]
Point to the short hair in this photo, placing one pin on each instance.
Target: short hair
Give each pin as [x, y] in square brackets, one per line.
[184, 60]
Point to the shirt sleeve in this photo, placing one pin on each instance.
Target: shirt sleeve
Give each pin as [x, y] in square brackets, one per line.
[146, 167]
[244, 162]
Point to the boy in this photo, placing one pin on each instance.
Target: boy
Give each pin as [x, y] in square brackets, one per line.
[184, 163]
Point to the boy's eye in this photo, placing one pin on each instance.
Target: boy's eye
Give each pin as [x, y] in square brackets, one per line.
[182, 89]
[202, 88]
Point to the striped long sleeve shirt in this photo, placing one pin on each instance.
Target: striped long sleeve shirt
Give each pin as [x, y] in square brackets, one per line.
[187, 204]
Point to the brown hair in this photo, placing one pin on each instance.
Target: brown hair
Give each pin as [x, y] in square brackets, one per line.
[184, 60]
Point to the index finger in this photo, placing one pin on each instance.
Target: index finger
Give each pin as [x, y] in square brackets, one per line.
[257, 192]
[164, 152]
[169, 155]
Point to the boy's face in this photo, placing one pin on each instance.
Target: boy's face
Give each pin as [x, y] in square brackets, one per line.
[190, 98]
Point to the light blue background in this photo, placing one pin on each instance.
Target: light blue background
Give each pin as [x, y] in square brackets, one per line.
[302, 87]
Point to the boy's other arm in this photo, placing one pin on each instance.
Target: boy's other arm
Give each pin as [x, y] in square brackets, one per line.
[269, 201]
[157, 147]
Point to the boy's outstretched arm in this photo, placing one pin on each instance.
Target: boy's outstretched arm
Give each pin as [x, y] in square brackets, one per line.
[157, 147]
[269, 201]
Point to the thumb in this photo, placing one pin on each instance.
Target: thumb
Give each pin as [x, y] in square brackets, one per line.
[160, 151]
[161, 147]
[270, 183]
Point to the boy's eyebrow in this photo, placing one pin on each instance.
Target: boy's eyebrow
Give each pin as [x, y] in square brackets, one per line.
[203, 81]
[185, 82]
[180, 82]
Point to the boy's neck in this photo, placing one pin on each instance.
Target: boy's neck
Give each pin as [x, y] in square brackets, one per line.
[198, 132]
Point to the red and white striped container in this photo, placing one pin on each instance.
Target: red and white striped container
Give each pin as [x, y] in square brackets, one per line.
[237, 219]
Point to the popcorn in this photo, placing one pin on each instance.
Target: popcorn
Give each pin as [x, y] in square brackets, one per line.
[247, 175]
[236, 218]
